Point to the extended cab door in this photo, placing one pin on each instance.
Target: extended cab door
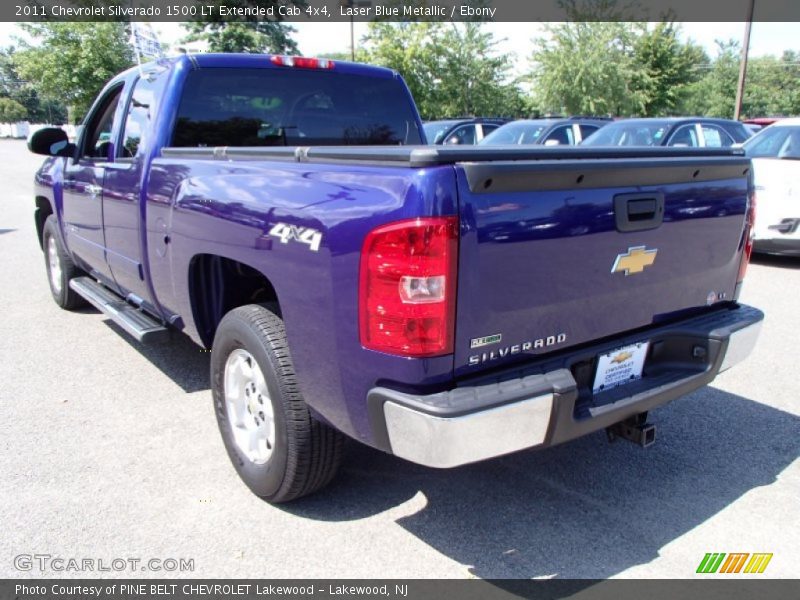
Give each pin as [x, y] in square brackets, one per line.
[123, 205]
[83, 184]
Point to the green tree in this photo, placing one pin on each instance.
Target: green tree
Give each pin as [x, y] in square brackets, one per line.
[714, 94]
[14, 87]
[73, 61]
[11, 111]
[406, 48]
[590, 68]
[772, 86]
[670, 65]
[789, 83]
[451, 69]
[475, 77]
[265, 36]
[249, 34]
[343, 56]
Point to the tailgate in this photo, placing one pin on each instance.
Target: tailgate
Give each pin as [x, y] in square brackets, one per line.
[556, 253]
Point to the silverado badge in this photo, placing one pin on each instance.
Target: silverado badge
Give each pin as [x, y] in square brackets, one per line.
[634, 260]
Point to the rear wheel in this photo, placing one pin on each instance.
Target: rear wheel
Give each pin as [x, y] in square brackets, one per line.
[277, 447]
[60, 268]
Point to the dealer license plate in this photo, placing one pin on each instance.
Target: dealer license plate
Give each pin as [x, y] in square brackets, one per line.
[619, 367]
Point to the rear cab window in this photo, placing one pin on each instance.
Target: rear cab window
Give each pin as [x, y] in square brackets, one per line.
[292, 107]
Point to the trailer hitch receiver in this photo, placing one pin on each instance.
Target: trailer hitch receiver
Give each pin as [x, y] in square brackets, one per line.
[636, 429]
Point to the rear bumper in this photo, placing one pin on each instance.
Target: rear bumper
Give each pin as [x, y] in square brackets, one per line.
[551, 402]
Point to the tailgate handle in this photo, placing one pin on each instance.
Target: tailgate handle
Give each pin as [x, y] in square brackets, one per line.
[638, 212]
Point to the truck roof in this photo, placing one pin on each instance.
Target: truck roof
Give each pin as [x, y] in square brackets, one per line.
[261, 61]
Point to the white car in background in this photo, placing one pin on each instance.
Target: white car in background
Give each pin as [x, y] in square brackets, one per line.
[775, 151]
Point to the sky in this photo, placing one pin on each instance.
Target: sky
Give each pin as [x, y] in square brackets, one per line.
[317, 38]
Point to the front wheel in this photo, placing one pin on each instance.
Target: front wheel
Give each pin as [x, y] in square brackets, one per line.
[277, 447]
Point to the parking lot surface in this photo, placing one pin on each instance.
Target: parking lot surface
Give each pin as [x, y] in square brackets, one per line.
[111, 450]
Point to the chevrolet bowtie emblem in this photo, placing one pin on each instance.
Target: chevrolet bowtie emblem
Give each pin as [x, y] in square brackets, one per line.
[621, 357]
[634, 260]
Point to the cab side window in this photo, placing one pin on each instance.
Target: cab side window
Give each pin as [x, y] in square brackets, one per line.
[97, 141]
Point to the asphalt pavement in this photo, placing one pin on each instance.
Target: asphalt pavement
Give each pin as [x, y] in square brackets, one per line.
[111, 451]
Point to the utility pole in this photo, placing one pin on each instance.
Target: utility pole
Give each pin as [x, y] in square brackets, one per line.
[743, 62]
[350, 5]
[352, 39]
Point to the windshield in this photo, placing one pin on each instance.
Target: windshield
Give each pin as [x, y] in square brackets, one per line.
[629, 133]
[520, 132]
[435, 130]
[775, 142]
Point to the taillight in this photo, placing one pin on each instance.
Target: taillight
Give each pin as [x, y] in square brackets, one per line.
[749, 223]
[407, 287]
[301, 62]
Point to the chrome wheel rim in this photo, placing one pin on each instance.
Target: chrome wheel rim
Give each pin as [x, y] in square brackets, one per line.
[55, 264]
[249, 407]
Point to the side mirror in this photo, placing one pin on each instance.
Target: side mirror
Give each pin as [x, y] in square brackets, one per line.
[50, 141]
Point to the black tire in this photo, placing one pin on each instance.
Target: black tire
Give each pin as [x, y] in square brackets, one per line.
[64, 296]
[305, 452]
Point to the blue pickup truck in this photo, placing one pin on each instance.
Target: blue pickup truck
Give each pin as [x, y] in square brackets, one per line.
[445, 305]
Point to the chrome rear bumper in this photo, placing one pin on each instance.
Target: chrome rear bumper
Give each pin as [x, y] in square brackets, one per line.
[493, 418]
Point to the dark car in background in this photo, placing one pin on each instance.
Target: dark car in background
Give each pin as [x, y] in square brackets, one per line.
[567, 131]
[693, 132]
[467, 131]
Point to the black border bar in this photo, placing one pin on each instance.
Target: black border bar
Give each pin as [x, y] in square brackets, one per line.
[320, 11]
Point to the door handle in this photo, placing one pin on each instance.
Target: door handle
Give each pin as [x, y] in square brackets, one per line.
[93, 190]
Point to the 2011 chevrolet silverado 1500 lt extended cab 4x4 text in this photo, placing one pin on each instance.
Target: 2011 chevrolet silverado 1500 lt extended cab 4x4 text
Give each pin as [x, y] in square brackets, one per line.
[446, 305]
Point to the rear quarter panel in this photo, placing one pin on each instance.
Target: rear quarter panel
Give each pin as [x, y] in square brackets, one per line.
[229, 208]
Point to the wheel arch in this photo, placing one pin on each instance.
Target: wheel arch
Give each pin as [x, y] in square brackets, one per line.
[217, 285]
